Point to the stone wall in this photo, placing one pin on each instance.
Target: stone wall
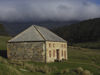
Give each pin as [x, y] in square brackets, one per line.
[30, 51]
[51, 51]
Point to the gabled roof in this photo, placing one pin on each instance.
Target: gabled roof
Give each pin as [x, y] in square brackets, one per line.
[36, 33]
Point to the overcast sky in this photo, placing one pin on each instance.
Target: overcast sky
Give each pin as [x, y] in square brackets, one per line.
[54, 10]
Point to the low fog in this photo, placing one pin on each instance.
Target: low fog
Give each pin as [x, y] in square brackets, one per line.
[44, 10]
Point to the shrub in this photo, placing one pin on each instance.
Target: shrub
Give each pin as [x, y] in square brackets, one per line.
[86, 72]
[57, 60]
[64, 60]
[79, 70]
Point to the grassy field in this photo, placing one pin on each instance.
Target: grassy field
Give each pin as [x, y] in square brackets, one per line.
[3, 42]
[87, 59]
[81, 61]
[91, 45]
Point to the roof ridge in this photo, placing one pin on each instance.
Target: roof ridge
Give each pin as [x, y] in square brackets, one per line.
[39, 32]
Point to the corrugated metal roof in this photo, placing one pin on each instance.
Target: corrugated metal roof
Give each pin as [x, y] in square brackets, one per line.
[48, 35]
[36, 33]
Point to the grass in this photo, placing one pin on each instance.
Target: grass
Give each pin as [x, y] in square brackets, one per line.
[7, 69]
[88, 59]
[91, 45]
[78, 59]
[3, 42]
[84, 55]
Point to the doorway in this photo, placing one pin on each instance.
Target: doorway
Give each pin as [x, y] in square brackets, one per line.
[58, 54]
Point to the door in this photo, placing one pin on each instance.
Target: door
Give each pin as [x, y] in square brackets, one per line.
[58, 54]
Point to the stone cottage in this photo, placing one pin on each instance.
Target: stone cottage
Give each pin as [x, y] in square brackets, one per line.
[37, 44]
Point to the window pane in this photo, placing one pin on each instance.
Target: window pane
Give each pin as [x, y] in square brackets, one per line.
[49, 53]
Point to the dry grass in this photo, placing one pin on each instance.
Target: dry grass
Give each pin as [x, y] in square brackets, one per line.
[86, 72]
[3, 60]
[64, 71]
[6, 69]
[79, 70]
[76, 56]
[30, 67]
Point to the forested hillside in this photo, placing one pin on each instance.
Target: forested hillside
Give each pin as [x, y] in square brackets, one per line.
[3, 31]
[85, 31]
[4, 37]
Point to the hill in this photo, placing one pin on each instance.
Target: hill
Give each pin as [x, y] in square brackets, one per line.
[16, 27]
[85, 31]
[3, 31]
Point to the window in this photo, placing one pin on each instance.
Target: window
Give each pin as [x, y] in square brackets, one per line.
[53, 53]
[64, 46]
[49, 44]
[62, 53]
[61, 45]
[49, 53]
[53, 45]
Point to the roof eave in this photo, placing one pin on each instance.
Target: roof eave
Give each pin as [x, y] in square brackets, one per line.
[25, 41]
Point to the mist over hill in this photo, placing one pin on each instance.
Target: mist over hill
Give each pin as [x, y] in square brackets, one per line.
[14, 28]
[73, 31]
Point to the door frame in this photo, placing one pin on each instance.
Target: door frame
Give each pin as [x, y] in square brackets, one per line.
[58, 54]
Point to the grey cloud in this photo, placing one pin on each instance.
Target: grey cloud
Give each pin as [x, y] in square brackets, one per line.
[41, 10]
